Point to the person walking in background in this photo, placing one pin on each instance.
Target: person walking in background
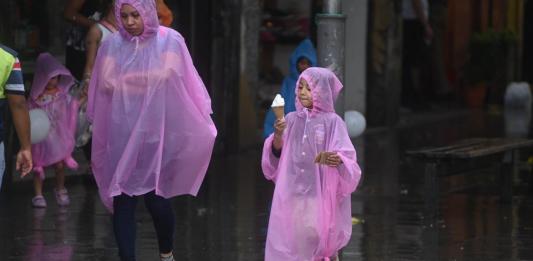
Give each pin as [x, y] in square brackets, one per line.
[98, 33]
[81, 14]
[12, 89]
[417, 36]
[303, 57]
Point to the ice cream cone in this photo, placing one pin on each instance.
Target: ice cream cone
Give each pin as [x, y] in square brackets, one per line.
[278, 111]
[277, 106]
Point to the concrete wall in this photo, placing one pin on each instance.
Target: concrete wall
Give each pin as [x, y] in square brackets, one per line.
[249, 61]
[355, 64]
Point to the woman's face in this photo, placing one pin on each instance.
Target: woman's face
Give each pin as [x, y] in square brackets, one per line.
[131, 20]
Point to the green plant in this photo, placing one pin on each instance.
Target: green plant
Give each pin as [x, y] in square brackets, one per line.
[487, 53]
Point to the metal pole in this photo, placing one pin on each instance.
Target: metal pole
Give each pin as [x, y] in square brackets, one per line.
[332, 6]
[330, 43]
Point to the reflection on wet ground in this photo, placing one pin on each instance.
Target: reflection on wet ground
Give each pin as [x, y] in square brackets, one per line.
[228, 220]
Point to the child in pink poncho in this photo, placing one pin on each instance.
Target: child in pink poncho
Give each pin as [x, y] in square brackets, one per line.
[313, 163]
[50, 92]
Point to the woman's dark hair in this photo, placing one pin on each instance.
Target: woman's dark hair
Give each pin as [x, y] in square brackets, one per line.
[106, 6]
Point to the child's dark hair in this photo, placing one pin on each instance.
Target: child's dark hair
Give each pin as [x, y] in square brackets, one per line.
[303, 58]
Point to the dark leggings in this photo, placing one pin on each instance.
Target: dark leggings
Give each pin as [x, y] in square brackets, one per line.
[124, 223]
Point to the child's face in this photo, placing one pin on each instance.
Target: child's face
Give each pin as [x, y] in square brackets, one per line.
[303, 64]
[304, 94]
[52, 83]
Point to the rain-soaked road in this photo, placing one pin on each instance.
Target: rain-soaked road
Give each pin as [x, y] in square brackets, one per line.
[228, 220]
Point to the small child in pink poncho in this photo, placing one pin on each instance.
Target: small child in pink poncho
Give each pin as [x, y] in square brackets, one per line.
[313, 163]
[50, 92]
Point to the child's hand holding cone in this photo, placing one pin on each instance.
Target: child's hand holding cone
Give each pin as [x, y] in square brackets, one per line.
[279, 125]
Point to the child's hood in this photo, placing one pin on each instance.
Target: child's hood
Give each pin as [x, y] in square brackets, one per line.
[46, 68]
[325, 87]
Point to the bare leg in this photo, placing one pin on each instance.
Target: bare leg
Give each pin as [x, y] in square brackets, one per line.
[38, 201]
[61, 193]
[37, 185]
[60, 175]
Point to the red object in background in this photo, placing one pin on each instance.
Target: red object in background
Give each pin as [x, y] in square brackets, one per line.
[164, 13]
[475, 95]
[267, 37]
[285, 28]
[465, 17]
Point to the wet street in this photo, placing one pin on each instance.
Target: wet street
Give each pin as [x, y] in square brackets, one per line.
[228, 220]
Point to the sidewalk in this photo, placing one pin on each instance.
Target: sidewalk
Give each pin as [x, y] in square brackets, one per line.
[228, 220]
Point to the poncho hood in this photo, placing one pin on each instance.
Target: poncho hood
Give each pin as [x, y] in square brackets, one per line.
[325, 87]
[148, 12]
[304, 50]
[46, 68]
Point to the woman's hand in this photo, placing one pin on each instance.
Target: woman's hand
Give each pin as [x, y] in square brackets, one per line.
[279, 127]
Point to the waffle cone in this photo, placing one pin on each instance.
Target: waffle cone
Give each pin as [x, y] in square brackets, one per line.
[278, 111]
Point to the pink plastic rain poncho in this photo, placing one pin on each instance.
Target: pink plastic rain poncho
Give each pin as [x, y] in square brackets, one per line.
[62, 110]
[152, 128]
[310, 217]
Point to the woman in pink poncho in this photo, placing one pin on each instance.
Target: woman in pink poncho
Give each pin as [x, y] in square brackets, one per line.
[152, 128]
[50, 92]
[313, 163]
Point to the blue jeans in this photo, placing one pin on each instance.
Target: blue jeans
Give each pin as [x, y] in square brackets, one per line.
[124, 223]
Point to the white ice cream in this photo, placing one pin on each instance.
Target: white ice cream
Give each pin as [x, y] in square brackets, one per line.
[278, 101]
